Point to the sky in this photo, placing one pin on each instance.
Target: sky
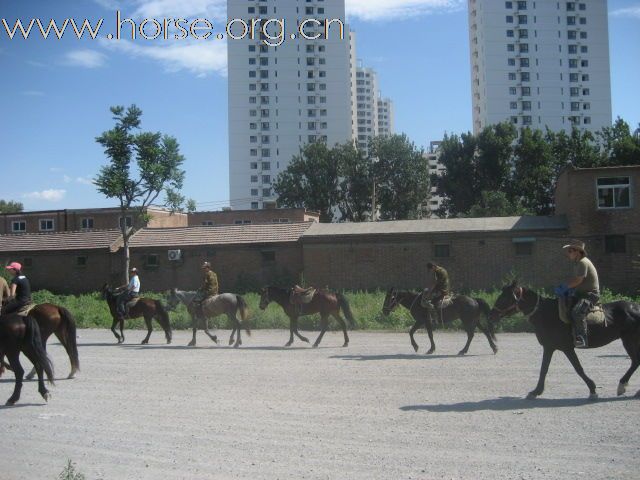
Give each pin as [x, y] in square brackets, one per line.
[56, 94]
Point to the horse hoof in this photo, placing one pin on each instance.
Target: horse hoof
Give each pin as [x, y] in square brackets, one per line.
[315, 345]
[461, 353]
[214, 339]
[71, 376]
[144, 342]
[237, 345]
[306, 340]
[593, 396]
[415, 348]
[230, 342]
[11, 402]
[622, 388]
[46, 396]
[169, 342]
[532, 395]
[29, 377]
[346, 344]
[288, 344]
[637, 395]
[431, 350]
[192, 343]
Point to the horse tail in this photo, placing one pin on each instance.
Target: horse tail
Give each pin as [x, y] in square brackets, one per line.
[163, 319]
[33, 338]
[244, 313]
[70, 335]
[346, 309]
[486, 311]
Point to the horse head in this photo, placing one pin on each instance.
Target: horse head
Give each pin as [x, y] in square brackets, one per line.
[264, 298]
[507, 302]
[173, 299]
[390, 301]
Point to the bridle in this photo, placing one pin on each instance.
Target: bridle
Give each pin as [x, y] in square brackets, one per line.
[393, 302]
[518, 294]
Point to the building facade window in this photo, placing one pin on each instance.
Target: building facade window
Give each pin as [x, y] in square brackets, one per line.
[615, 244]
[614, 192]
[19, 226]
[441, 250]
[87, 223]
[46, 224]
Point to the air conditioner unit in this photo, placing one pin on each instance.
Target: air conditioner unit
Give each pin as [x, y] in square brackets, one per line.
[174, 255]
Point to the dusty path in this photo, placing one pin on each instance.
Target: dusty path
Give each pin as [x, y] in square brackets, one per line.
[372, 410]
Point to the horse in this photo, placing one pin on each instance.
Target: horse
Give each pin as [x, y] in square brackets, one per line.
[467, 309]
[622, 320]
[229, 304]
[22, 334]
[144, 307]
[323, 302]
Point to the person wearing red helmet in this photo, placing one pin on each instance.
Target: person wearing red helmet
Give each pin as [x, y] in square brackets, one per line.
[20, 289]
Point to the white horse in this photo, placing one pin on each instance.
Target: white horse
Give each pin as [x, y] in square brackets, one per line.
[225, 303]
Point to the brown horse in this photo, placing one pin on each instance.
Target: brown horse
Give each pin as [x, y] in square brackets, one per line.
[145, 307]
[325, 303]
[22, 334]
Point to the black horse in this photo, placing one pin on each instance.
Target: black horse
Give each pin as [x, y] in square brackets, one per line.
[467, 309]
[622, 321]
[22, 334]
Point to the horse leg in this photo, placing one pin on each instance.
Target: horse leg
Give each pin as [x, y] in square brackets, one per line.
[295, 330]
[546, 360]
[33, 372]
[429, 326]
[291, 323]
[233, 336]
[194, 327]
[492, 344]
[413, 340]
[18, 371]
[470, 333]
[234, 321]
[324, 324]
[65, 343]
[42, 389]
[113, 329]
[634, 354]
[121, 331]
[147, 321]
[213, 338]
[573, 358]
[343, 324]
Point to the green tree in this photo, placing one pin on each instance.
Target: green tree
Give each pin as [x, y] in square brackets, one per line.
[619, 146]
[191, 205]
[473, 164]
[355, 183]
[578, 148]
[154, 157]
[496, 204]
[535, 173]
[401, 175]
[311, 181]
[10, 206]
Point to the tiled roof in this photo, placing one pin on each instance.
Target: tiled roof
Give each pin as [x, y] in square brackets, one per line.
[219, 235]
[452, 225]
[89, 240]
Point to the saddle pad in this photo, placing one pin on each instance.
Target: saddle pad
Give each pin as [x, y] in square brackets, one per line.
[446, 302]
[132, 303]
[24, 311]
[596, 316]
[302, 298]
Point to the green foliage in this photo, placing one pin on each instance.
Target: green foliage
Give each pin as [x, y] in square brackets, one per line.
[10, 206]
[401, 175]
[191, 205]
[355, 172]
[496, 204]
[157, 164]
[70, 473]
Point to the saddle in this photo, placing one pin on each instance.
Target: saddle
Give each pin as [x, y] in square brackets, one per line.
[26, 310]
[302, 296]
[132, 303]
[595, 315]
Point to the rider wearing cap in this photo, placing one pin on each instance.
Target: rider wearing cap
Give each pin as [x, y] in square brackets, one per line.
[20, 289]
[208, 289]
[586, 289]
[132, 291]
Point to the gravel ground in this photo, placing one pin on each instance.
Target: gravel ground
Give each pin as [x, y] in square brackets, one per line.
[372, 410]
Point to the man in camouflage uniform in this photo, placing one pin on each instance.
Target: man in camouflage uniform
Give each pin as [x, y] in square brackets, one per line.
[586, 290]
[440, 289]
[208, 289]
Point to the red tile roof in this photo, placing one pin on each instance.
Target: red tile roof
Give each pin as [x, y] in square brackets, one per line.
[89, 240]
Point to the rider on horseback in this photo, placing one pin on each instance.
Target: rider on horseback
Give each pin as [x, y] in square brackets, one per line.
[586, 290]
[132, 291]
[433, 298]
[208, 289]
[20, 290]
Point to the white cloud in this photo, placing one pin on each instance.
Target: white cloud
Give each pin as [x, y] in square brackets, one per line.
[200, 58]
[55, 169]
[629, 12]
[67, 179]
[85, 58]
[51, 195]
[33, 93]
[84, 180]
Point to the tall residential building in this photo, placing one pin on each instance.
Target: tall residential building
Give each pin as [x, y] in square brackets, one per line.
[386, 120]
[436, 168]
[283, 97]
[540, 63]
[366, 100]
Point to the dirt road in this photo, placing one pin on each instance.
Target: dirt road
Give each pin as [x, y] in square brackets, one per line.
[374, 410]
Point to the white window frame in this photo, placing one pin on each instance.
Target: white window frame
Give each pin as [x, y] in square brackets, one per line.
[86, 220]
[19, 222]
[614, 187]
[53, 224]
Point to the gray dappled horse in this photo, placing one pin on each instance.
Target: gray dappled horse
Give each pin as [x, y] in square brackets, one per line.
[229, 304]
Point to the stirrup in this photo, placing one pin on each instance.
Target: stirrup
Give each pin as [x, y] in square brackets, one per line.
[580, 341]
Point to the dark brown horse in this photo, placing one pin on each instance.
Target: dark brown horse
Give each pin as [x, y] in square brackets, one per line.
[145, 307]
[325, 303]
[467, 309]
[622, 321]
[22, 334]
[53, 319]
